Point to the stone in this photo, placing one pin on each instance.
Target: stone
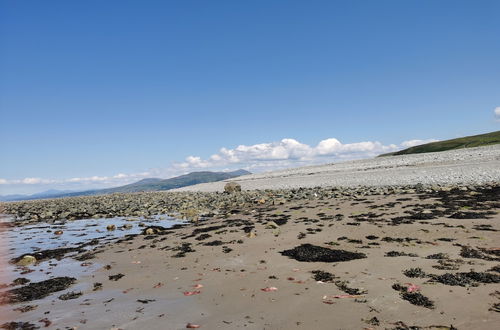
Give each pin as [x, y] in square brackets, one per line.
[26, 260]
[111, 227]
[232, 187]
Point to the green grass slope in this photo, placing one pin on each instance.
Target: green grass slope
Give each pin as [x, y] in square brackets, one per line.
[463, 142]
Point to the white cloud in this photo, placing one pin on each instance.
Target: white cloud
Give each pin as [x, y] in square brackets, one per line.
[286, 152]
[255, 158]
[412, 143]
[497, 113]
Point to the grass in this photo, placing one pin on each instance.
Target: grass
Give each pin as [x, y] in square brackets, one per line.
[460, 143]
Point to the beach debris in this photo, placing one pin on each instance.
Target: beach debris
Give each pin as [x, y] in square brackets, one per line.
[198, 286]
[313, 253]
[97, 286]
[25, 308]
[192, 326]
[110, 227]
[70, 295]
[36, 290]
[412, 287]
[414, 298]
[373, 321]
[26, 260]
[46, 322]
[115, 277]
[58, 232]
[330, 299]
[269, 289]
[158, 285]
[342, 296]
[191, 293]
[232, 187]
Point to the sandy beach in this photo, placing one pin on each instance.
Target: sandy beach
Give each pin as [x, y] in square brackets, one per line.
[423, 260]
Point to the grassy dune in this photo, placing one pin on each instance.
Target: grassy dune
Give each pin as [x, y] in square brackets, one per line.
[463, 142]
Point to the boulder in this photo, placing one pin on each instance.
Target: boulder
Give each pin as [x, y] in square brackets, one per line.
[232, 187]
[26, 260]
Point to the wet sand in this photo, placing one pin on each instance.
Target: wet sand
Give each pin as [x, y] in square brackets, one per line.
[230, 272]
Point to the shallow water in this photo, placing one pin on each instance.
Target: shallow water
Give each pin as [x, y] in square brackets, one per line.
[16, 241]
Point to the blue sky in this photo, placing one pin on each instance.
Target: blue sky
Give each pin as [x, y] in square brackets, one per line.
[101, 93]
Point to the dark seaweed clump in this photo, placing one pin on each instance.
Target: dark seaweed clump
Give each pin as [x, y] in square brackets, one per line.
[312, 253]
[115, 277]
[183, 249]
[414, 298]
[202, 237]
[36, 290]
[214, 243]
[468, 252]
[342, 285]
[414, 272]
[322, 276]
[49, 254]
[70, 295]
[400, 254]
[466, 279]
[495, 269]
[19, 326]
[469, 215]
[437, 256]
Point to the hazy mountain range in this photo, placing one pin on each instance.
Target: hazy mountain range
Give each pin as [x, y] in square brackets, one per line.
[150, 184]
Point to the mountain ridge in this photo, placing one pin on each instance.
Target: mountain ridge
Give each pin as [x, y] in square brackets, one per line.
[148, 184]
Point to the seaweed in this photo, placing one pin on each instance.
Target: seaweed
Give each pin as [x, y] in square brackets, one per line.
[313, 253]
[414, 272]
[37, 290]
[202, 237]
[19, 326]
[437, 256]
[323, 276]
[400, 254]
[414, 298]
[466, 279]
[115, 277]
[342, 285]
[70, 295]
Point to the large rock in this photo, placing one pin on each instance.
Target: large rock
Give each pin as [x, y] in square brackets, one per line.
[232, 187]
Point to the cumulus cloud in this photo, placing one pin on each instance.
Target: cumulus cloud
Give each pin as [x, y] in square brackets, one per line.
[497, 113]
[412, 143]
[286, 151]
[255, 158]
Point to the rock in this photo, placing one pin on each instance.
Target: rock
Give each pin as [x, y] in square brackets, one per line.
[58, 232]
[150, 231]
[26, 260]
[232, 187]
[111, 227]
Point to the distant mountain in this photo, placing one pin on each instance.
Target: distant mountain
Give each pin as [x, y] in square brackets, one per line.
[464, 142]
[44, 194]
[150, 184]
